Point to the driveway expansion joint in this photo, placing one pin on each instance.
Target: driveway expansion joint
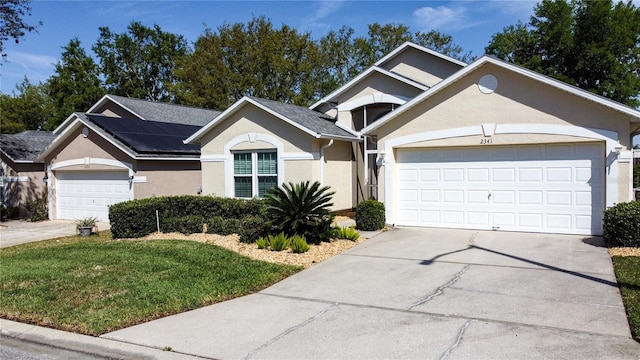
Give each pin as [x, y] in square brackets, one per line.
[290, 330]
[440, 290]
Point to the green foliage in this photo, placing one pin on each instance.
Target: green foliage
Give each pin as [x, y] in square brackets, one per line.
[594, 45]
[622, 224]
[76, 85]
[38, 210]
[627, 269]
[140, 63]
[137, 218]
[14, 26]
[28, 109]
[86, 222]
[299, 244]
[252, 228]
[190, 224]
[370, 215]
[301, 209]
[262, 242]
[279, 242]
[348, 233]
[93, 286]
[230, 226]
[9, 213]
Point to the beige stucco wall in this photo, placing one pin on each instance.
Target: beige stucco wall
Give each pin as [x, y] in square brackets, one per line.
[338, 174]
[419, 66]
[24, 182]
[301, 150]
[517, 100]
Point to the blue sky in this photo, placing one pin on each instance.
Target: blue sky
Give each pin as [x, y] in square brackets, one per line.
[471, 23]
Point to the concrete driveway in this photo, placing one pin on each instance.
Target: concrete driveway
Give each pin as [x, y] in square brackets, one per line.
[421, 293]
[16, 232]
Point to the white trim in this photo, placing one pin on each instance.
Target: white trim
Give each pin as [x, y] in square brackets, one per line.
[421, 48]
[300, 155]
[213, 158]
[374, 98]
[610, 138]
[16, 178]
[228, 176]
[108, 97]
[92, 161]
[362, 76]
[635, 114]
[139, 179]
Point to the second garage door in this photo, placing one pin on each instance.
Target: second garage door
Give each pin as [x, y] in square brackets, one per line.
[81, 194]
[545, 188]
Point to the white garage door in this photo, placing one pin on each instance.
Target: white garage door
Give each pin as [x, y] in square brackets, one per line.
[552, 188]
[83, 194]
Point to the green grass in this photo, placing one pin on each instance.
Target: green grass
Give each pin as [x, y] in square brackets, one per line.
[96, 285]
[627, 270]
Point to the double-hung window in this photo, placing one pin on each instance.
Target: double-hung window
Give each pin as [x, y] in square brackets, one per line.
[254, 173]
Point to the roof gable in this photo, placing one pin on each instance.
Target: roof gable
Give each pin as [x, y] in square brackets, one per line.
[633, 113]
[312, 122]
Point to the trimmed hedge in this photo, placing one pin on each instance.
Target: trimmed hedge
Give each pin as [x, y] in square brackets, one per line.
[137, 218]
[190, 224]
[370, 215]
[622, 224]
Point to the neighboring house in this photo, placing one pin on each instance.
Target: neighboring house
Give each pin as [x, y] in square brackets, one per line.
[121, 149]
[487, 145]
[22, 178]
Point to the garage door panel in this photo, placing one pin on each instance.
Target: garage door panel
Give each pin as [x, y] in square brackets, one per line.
[81, 194]
[540, 188]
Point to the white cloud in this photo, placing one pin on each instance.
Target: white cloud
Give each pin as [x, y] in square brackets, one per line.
[35, 67]
[324, 9]
[443, 18]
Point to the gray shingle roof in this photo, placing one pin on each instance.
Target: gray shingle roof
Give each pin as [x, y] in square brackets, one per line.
[165, 112]
[25, 146]
[315, 121]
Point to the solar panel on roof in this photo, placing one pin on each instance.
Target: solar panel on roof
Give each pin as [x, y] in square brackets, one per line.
[149, 136]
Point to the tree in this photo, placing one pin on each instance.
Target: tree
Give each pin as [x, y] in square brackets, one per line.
[76, 86]
[594, 45]
[12, 23]
[141, 62]
[255, 59]
[29, 109]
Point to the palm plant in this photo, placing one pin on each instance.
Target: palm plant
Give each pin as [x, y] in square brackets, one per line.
[301, 209]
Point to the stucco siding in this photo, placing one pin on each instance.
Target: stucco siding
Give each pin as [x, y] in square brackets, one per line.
[23, 183]
[213, 178]
[423, 68]
[337, 174]
[167, 183]
[77, 146]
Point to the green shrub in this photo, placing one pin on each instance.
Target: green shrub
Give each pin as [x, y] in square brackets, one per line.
[299, 244]
[252, 228]
[348, 233]
[279, 242]
[137, 218]
[38, 210]
[262, 242]
[370, 215]
[214, 225]
[622, 224]
[9, 213]
[187, 225]
[302, 209]
[230, 226]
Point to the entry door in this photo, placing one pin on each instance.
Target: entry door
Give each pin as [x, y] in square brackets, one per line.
[542, 188]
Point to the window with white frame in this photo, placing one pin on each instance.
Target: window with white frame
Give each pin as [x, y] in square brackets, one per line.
[254, 173]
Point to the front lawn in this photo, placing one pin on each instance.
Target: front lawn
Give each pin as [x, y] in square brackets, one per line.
[96, 285]
[627, 270]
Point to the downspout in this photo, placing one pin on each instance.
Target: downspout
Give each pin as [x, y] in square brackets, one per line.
[322, 161]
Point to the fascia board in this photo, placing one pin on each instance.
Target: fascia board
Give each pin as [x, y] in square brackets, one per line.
[107, 97]
[407, 44]
[65, 123]
[363, 75]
